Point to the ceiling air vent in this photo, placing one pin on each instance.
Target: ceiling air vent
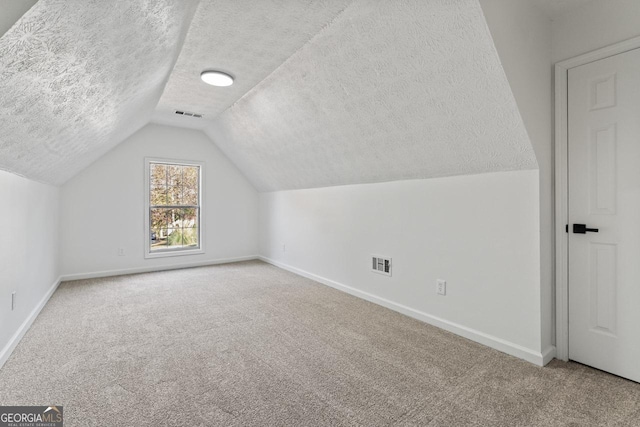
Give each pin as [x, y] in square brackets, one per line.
[381, 265]
[188, 114]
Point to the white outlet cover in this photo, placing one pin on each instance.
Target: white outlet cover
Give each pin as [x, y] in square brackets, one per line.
[441, 287]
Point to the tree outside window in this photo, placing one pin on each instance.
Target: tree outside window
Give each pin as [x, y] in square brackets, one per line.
[174, 206]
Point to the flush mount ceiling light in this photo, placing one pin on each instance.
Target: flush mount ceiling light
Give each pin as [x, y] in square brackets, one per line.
[216, 78]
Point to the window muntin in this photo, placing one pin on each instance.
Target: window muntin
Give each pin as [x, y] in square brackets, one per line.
[174, 207]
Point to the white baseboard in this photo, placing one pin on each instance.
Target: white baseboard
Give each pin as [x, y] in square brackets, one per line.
[548, 354]
[537, 358]
[124, 271]
[507, 347]
[15, 339]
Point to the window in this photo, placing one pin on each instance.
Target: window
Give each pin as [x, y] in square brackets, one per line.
[173, 208]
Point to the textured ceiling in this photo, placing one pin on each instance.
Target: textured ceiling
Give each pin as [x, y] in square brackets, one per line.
[555, 8]
[327, 92]
[247, 38]
[79, 76]
[388, 90]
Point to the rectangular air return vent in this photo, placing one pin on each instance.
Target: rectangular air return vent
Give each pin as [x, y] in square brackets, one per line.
[188, 114]
[381, 265]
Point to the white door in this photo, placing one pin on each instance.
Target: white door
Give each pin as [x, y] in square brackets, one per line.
[604, 194]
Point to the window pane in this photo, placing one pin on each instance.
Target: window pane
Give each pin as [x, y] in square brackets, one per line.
[158, 174]
[190, 177]
[174, 175]
[174, 195]
[189, 218]
[172, 215]
[158, 196]
[158, 238]
[178, 218]
[190, 184]
[175, 237]
[190, 196]
[158, 218]
[190, 237]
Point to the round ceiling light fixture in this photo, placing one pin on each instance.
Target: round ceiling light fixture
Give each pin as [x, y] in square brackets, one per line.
[216, 78]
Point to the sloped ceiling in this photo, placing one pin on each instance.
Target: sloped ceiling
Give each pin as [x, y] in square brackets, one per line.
[389, 90]
[327, 92]
[247, 38]
[79, 76]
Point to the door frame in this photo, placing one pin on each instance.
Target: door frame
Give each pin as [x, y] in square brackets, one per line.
[562, 183]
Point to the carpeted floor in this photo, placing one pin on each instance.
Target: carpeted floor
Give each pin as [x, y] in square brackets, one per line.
[248, 344]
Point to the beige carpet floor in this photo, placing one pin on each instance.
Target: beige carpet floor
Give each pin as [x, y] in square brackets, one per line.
[248, 344]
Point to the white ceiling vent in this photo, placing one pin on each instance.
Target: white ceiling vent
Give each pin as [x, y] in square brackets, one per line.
[187, 114]
[381, 265]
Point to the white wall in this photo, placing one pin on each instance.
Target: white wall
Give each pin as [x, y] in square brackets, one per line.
[480, 233]
[522, 35]
[102, 208]
[12, 10]
[28, 251]
[596, 24]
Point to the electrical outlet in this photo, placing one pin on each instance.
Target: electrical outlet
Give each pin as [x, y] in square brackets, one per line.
[441, 287]
[120, 251]
[13, 301]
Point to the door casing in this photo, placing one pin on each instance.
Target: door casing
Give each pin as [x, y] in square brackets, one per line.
[562, 184]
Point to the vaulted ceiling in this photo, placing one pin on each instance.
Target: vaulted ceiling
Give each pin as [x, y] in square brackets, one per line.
[390, 90]
[247, 38]
[327, 92]
[79, 76]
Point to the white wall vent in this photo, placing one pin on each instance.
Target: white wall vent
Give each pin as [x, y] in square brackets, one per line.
[187, 114]
[381, 265]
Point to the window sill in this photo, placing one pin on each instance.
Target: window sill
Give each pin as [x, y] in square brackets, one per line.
[175, 252]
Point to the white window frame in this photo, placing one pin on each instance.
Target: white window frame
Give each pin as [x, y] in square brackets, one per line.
[147, 194]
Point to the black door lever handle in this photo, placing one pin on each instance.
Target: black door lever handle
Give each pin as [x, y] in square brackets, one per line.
[582, 229]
